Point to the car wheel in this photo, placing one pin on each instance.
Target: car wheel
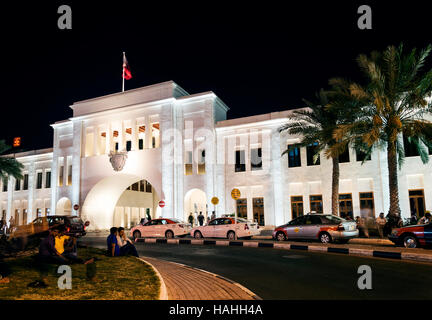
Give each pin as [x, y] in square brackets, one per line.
[280, 236]
[231, 235]
[136, 234]
[410, 241]
[325, 237]
[169, 234]
[197, 235]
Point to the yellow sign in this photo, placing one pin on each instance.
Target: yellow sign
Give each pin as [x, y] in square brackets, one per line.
[215, 200]
[17, 141]
[235, 193]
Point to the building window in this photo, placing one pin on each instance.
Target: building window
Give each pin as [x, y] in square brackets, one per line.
[61, 173]
[17, 185]
[256, 159]
[344, 156]
[142, 186]
[240, 164]
[296, 206]
[294, 158]
[362, 156]
[25, 184]
[311, 151]
[69, 179]
[410, 148]
[47, 212]
[188, 163]
[316, 203]
[258, 210]
[39, 180]
[25, 216]
[5, 184]
[155, 135]
[242, 208]
[116, 146]
[148, 187]
[39, 212]
[48, 179]
[345, 205]
[17, 217]
[135, 186]
[417, 202]
[128, 145]
[141, 144]
[201, 162]
[367, 206]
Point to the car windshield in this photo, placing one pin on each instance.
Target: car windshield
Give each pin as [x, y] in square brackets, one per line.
[176, 220]
[75, 220]
[330, 219]
[241, 220]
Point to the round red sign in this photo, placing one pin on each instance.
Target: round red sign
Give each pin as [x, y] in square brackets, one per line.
[76, 207]
[161, 203]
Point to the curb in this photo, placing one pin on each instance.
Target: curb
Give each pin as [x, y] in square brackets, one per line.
[163, 294]
[287, 246]
[253, 295]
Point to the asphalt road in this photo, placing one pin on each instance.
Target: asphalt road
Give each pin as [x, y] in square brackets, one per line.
[291, 274]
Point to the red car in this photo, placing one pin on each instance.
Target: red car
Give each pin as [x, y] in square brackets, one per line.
[412, 236]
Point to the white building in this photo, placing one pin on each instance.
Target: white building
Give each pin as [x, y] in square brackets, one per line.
[181, 149]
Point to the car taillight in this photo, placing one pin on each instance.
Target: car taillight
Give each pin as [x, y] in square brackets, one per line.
[68, 229]
[246, 227]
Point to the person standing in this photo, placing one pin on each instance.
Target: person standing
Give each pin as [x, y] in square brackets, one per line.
[426, 219]
[213, 216]
[201, 218]
[413, 219]
[381, 221]
[11, 224]
[191, 219]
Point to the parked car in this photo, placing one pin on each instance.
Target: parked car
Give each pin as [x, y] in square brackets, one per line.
[412, 236]
[164, 227]
[39, 226]
[323, 227]
[226, 228]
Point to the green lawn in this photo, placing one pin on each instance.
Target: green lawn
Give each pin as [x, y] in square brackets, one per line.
[120, 278]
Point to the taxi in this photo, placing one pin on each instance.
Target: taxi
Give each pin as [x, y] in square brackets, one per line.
[412, 236]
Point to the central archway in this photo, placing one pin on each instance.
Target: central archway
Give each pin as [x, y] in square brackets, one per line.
[100, 203]
[195, 201]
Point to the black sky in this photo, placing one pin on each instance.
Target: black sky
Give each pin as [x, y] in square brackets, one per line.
[257, 57]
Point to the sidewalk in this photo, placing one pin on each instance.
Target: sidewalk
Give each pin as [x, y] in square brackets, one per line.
[186, 283]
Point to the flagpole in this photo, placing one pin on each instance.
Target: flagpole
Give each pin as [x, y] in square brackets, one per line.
[123, 72]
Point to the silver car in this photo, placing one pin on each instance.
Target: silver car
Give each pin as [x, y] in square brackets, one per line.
[323, 227]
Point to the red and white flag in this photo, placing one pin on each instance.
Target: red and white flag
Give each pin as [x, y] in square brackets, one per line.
[126, 70]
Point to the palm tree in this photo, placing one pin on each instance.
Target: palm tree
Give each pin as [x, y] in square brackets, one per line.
[9, 166]
[316, 127]
[395, 101]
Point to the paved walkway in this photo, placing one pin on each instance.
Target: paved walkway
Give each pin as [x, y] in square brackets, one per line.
[187, 283]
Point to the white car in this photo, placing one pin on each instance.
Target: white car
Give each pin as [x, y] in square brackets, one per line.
[226, 228]
[163, 227]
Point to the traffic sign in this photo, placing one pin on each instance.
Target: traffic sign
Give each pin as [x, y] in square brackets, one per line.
[76, 207]
[215, 200]
[235, 193]
[161, 203]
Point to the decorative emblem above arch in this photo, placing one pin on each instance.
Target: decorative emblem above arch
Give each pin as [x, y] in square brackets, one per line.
[118, 159]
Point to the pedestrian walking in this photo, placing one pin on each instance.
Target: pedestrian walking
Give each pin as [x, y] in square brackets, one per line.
[191, 219]
[381, 222]
[201, 218]
[361, 225]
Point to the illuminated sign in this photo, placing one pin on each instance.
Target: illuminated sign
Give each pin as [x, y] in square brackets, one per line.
[17, 141]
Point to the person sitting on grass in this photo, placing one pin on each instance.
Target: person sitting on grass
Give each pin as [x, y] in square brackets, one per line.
[68, 252]
[112, 244]
[125, 244]
[49, 255]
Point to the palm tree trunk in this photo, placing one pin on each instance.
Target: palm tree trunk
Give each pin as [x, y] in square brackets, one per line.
[393, 179]
[335, 186]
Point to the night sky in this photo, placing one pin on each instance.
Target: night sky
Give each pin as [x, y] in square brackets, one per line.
[258, 57]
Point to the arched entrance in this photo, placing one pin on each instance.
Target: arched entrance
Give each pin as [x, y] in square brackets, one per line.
[195, 201]
[64, 206]
[107, 197]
